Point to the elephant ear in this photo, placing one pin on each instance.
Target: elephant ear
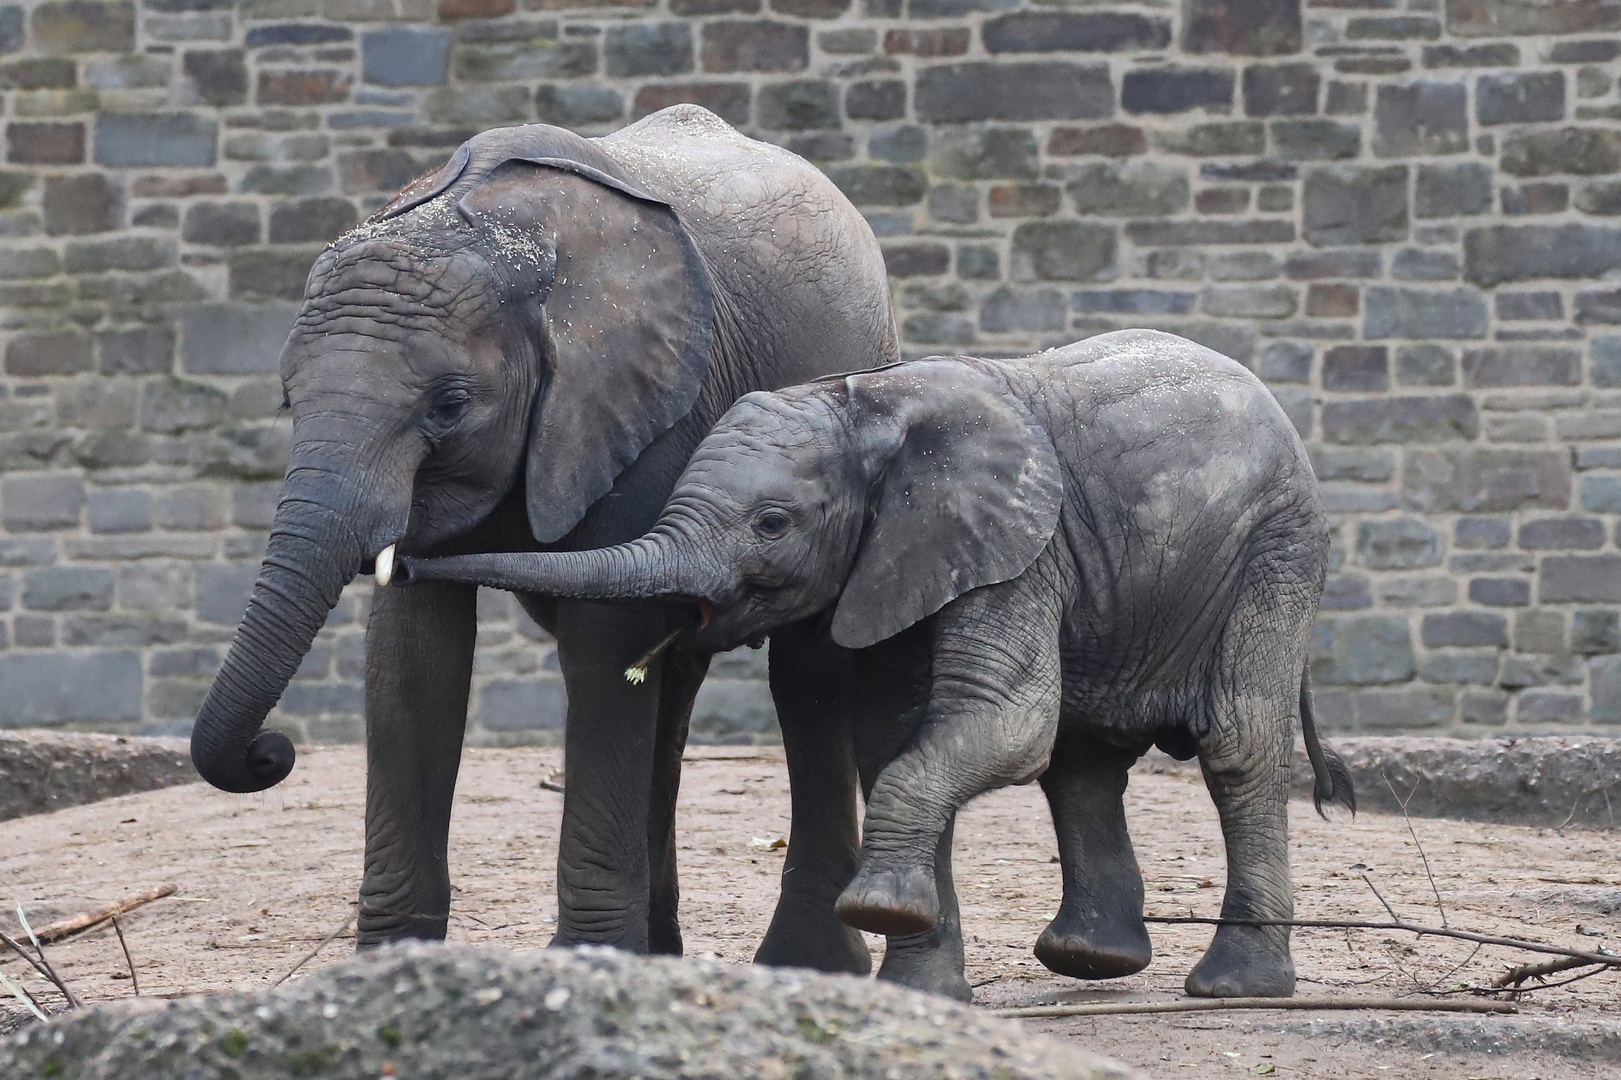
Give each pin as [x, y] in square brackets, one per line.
[966, 493]
[629, 314]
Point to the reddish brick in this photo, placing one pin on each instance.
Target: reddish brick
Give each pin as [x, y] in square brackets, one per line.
[1023, 200]
[475, 9]
[1332, 300]
[1109, 140]
[914, 260]
[67, 353]
[178, 187]
[729, 101]
[950, 41]
[1231, 200]
[303, 87]
[45, 144]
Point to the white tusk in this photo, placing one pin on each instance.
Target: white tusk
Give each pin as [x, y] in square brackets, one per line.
[385, 565]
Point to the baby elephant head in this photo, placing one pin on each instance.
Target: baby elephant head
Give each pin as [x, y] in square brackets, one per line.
[880, 496]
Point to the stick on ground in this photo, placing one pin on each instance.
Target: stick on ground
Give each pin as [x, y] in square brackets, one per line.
[66, 928]
[1606, 959]
[311, 954]
[1127, 1008]
[1517, 975]
[134, 981]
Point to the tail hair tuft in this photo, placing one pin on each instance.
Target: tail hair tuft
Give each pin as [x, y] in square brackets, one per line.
[1334, 786]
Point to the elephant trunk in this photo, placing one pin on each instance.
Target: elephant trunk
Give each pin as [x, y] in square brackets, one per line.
[312, 554]
[648, 567]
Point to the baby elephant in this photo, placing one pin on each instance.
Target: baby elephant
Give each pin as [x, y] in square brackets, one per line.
[1115, 544]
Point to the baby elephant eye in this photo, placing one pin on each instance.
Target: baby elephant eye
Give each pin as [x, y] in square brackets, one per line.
[449, 406]
[771, 524]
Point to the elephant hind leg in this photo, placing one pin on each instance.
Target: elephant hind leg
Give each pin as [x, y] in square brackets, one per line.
[1098, 932]
[1245, 759]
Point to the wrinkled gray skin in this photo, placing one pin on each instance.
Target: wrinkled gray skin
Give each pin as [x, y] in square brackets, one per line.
[521, 352]
[1052, 563]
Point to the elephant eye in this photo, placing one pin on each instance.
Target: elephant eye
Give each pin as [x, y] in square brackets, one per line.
[771, 524]
[448, 407]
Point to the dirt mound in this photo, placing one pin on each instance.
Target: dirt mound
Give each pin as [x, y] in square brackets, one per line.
[42, 771]
[423, 1010]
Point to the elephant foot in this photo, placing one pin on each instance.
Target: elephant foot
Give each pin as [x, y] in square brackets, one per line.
[895, 903]
[805, 933]
[375, 928]
[1082, 947]
[1244, 961]
[931, 961]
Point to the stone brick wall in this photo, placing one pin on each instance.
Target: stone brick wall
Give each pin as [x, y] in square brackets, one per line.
[1400, 213]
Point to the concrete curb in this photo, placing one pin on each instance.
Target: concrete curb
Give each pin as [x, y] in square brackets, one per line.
[41, 771]
[1547, 780]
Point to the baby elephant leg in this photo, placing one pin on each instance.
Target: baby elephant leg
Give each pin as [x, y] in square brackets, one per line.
[993, 712]
[932, 960]
[1098, 932]
[1246, 768]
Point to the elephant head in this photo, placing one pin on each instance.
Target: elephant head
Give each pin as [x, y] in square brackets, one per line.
[524, 315]
[881, 496]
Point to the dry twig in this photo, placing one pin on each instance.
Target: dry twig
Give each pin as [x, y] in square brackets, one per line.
[1122, 1008]
[134, 982]
[45, 964]
[1514, 976]
[1606, 959]
[553, 782]
[1401, 802]
[66, 928]
[311, 954]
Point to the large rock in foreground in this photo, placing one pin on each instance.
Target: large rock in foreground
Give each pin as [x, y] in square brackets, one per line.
[454, 1011]
[41, 771]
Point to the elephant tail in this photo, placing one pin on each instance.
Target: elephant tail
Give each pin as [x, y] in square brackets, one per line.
[1332, 777]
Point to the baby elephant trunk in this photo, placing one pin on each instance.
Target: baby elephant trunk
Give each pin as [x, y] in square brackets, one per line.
[642, 569]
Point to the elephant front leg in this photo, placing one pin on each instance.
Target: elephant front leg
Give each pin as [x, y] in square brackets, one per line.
[419, 666]
[992, 716]
[603, 864]
[1248, 779]
[1098, 932]
[933, 960]
[810, 685]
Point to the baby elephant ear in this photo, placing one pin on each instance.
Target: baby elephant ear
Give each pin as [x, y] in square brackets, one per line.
[629, 317]
[967, 494]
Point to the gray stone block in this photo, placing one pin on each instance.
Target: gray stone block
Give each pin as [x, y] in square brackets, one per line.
[41, 502]
[638, 50]
[1423, 313]
[1465, 666]
[1563, 533]
[405, 56]
[1062, 251]
[1503, 253]
[984, 153]
[902, 143]
[1555, 152]
[1356, 205]
[68, 588]
[1548, 706]
[1403, 543]
[1452, 189]
[1464, 628]
[1136, 189]
[1362, 649]
[1500, 592]
[1521, 365]
[1439, 418]
[1486, 480]
[1173, 90]
[1531, 669]
[1420, 119]
[1281, 89]
[63, 687]
[526, 705]
[322, 699]
[1031, 90]
[1242, 27]
[1316, 140]
[1356, 367]
[1482, 532]
[127, 140]
[1042, 31]
[1580, 578]
[1520, 97]
[800, 105]
[733, 710]
[234, 339]
[1005, 310]
[223, 590]
[578, 104]
[1595, 631]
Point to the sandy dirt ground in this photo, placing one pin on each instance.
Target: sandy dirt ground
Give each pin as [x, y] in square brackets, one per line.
[261, 879]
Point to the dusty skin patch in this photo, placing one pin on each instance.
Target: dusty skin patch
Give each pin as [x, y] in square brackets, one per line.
[264, 877]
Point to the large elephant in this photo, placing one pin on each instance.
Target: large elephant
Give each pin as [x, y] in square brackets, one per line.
[1107, 546]
[521, 351]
